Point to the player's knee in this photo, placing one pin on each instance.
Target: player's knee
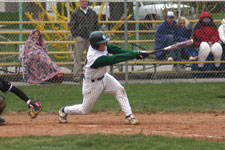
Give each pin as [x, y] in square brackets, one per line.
[121, 92]
[85, 110]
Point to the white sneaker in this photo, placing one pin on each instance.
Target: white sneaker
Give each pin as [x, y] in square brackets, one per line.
[62, 116]
[131, 120]
[193, 58]
[178, 68]
[170, 59]
[2, 119]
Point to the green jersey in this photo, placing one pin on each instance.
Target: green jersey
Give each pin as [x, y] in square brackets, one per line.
[119, 55]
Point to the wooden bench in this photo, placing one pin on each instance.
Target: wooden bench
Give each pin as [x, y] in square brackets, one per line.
[154, 63]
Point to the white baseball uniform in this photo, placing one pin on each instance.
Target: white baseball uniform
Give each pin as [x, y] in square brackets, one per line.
[97, 80]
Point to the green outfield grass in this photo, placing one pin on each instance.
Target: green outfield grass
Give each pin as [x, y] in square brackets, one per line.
[166, 97]
[111, 142]
[144, 98]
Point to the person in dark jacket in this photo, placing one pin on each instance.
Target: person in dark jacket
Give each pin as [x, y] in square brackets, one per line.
[184, 33]
[83, 21]
[166, 36]
[206, 40]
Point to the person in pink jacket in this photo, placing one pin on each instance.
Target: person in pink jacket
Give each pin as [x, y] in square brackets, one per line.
[38, 65]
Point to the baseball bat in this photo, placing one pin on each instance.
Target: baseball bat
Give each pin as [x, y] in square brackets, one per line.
[174, 46]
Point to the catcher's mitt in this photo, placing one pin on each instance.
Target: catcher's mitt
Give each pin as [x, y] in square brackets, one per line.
[35, 108]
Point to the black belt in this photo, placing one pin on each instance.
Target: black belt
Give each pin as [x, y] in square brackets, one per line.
[98, 79]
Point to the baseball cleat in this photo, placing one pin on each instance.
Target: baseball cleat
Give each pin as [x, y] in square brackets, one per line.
[2, 119]
[131, 120]
[62, 116]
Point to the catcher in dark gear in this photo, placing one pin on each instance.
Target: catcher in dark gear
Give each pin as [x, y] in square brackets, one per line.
[35, 106]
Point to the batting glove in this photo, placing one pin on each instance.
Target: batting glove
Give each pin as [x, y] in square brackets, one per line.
[142, 54]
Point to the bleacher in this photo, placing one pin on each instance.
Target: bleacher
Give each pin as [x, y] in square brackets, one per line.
[149, 68]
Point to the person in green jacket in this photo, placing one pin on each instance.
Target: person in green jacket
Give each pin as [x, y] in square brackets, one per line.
[97, 80]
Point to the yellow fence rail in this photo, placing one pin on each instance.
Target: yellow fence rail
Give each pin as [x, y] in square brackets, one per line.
[101, 22]
[70, 63]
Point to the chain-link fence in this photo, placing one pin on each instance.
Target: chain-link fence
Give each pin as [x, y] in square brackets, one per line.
[141, 27]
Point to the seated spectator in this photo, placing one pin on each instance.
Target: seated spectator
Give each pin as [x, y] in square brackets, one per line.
[165, 36]
[206, 40]
[184, 33]
[39, 66]
[221, 31]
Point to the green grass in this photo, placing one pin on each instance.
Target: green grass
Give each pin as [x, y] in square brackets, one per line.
[9, 16]
[111, 142]
[166, 97]
[144, 98]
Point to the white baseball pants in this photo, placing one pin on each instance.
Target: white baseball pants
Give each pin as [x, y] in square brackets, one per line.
[205, 49]
[92, 90]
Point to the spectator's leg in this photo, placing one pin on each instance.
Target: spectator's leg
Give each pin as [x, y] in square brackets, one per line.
[217, 51]
[87, 44]
[170, 41]
[177, 53]
[162, 56]
[194, 52]
[179, 67]
[204, 51]
[191, 52]
[78, 57]
[187, 51]
[223, 49]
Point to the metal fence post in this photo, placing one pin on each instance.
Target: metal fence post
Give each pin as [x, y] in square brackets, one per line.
[126, 39]
[20, 19]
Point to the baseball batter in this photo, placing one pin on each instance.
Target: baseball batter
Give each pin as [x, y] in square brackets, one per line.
[97, 80]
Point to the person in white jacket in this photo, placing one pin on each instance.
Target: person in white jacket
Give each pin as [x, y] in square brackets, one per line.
[221, 31]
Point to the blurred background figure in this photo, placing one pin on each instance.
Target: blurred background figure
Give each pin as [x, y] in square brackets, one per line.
[221, 31]
[184, 33]
[38, 65]
[166, 36]
[206, 40]
[83, 21]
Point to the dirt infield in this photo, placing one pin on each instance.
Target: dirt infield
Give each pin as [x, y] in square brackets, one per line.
[207, 126]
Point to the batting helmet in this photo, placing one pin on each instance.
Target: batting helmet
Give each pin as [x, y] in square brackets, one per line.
[96, 38]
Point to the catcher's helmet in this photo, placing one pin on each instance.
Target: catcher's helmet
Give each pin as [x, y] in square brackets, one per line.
[96, 38]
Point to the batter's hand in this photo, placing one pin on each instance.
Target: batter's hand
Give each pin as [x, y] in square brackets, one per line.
[142, 54]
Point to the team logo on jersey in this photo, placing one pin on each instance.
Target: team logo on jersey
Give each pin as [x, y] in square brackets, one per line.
[103, 36]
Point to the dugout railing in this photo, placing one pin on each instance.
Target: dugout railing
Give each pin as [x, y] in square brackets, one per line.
[148, 63]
